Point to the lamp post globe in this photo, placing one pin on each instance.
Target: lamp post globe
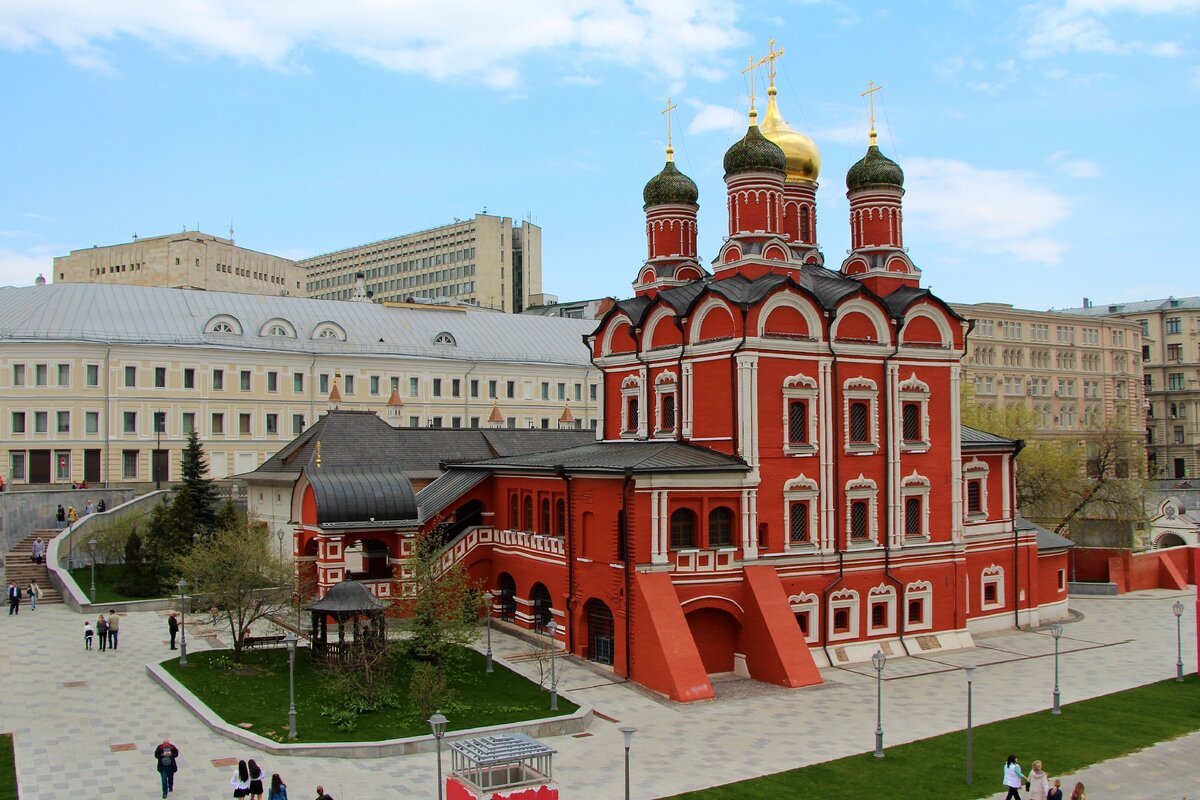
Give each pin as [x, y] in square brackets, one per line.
[438, 723]
[552, 632]
[280, 534]
[488, 599]
[1177, 609]
[1056, 630]
[290, 640]
[969, 669]
[182, 586]
[92, 548]
[627, 732]
[878, 660]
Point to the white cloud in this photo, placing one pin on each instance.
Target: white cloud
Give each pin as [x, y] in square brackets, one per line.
[475, 39]
[1062, 26]
[992, 211]
[1075, 167]
[715, 118]
[20, 268]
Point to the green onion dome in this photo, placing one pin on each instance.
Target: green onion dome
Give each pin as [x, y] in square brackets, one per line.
[670, 187]
[754, 153]
[874, 169]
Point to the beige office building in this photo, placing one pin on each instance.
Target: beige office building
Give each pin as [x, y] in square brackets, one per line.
[87, 371]
[187, 260]
[487, 261]
[1170, 357]
[1074, 371]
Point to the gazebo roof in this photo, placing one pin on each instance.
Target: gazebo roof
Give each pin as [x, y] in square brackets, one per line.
[348, 597]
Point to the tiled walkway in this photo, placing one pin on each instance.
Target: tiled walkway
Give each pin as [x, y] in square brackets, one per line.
[86, 723]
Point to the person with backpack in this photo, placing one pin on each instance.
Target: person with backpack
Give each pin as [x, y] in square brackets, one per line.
[166, 756]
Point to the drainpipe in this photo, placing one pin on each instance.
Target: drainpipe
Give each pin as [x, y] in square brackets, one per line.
[628, 577]
[466, 390]
[901, 614]
[1016, 551]
[107, 413]
[561, 472]
[733, 383]
[837, 474]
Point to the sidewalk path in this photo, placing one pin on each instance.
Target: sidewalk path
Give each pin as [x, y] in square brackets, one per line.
[86, 724]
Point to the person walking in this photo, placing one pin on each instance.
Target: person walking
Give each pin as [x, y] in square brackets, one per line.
[1078, 792]
[14, 599]
[87, 634]
[278, 790]
[166, 757]
[72, 515]
[100, 506]
[1038, 782]
[1013, 778]
[102, 632]
[256, 779]
[1055, 792]
[240, 780]
[89, 507]
[38, 554]
[321, 794]
[60, 517]
[114, 625]
[34, 593]
[173, 627]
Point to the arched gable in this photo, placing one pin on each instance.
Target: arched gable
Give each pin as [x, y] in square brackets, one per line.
[616, 337]
[712, 320]
[660, 330]
[277, 326]
[861, 320]
[790, 315]
[928, 326]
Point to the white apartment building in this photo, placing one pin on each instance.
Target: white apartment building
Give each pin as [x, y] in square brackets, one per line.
[103, 382]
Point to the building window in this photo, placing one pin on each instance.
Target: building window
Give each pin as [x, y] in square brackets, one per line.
[298, 382]
[511, 389]
[323, 384]
[805, 607]
[189, 378]
[437, 387]
[130, 422]
[62, 461]
[64, 374]
[1175, 380]
[544, 528]
[272, 381]
[912, 516]
[858, 422]
[40, 376]
[93, 375]
[349, 384]
[975, 473]
[414, 387]
[843, 614]
[975, 496]
[492, 390]
[797, 422]
[218, 424]
[858, 519]
[18, 422]
[18, 375]
[373, 385]
[91, 422]
[64, 421]
[912, 424]
[272, 424]
[527, 513]
[218, 380]
[683, 529]
[160, 377]
[720, 527]
[41, 422]
[918, 602]
[841, 620]
[560, 518]
[188, 423]
[1174, 325]
[798, 523]
[992, 588]
[129, 464]
[878, 615]
[131, 376]
[297, 424]
[16, 466]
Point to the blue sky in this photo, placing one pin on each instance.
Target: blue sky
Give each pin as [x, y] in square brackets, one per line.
[1048, 146]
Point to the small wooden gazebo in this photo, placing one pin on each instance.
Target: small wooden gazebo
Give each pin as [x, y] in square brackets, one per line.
[351, 605]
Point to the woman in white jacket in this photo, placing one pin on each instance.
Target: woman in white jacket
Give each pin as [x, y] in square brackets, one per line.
[1013, 778]
[1039, 782]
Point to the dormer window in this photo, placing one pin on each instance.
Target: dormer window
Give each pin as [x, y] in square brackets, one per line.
[445, 338]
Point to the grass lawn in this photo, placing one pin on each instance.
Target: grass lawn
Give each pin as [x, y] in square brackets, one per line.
[258, 694]
[1087, 732]
[8, 768]
[107, 578]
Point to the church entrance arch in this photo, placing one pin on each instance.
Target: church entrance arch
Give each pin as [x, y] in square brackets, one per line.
[716, 634]
[508, 596]
[599, 632]
[542, 603]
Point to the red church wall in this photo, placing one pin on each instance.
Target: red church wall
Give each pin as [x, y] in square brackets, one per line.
[789, 322]
[1156, 569]
[857, 327]
[922, 330]
[718, 323]
[711, 416]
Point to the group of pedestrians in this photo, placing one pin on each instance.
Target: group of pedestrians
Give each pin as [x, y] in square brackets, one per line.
[107, 628]
[16, 594]
[248, 781]
[1037, 782]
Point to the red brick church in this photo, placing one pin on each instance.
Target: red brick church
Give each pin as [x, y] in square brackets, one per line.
[781, 480]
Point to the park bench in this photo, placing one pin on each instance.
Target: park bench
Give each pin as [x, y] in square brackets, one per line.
[251, 642]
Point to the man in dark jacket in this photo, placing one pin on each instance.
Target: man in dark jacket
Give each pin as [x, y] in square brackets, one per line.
[166, 757]
[173, 627]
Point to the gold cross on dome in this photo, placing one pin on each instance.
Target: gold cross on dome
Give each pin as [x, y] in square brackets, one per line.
[667, 111]
[870, 95]
[770, 57]
[750, 69]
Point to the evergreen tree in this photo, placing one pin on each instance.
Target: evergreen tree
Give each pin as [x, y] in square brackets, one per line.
[196, 498]
[140, 578]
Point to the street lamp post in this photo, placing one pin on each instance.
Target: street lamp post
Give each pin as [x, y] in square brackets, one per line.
[879, 659]
[488, 599]
[279, 534]
[1178, 609]
[182, 586]
[290, 640]
[970, 670]
[92, 548]
[158, 426]
[1056, 630]
[628, 733]
[438, 723]
[551, 630]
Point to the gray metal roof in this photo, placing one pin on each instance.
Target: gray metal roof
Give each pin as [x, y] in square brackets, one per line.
[1138, 307]
[640, 457]
[356, 494]
[348, 597]
[972, 438]
[152, 315]
[447, 488]
[502, 748]
[1047, 541]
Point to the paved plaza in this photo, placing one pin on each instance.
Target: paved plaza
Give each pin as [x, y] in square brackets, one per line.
[86, 723]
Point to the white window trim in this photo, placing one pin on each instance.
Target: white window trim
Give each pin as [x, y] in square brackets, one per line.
[631, 387]
[810, 605]
[800, 387]
[914, 486]
[976, 470]
[992, 575]
[885, 595]
[846, 598]
[923, 591]
[800, 489]
[915, 391]
[855, 389]
[863, 488]
[665, 385]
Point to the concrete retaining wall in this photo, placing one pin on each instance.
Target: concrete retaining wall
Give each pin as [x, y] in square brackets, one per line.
[21, 513]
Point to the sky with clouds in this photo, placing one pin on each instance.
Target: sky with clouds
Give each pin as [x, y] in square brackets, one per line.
[1048, 146]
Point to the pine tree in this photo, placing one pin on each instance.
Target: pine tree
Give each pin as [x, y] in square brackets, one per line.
[196, 498]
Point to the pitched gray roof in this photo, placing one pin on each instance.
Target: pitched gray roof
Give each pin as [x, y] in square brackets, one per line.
[618, 456]
[972, 438]
[1047, 541]
[147, 314]
[1139, 306]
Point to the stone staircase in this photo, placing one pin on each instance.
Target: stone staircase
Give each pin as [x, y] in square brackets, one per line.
[20, 569]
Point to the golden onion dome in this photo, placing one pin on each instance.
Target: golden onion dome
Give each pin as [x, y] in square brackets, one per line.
[803, 159]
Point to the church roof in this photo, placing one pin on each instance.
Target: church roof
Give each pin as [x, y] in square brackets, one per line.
[1047, 541]
[640, 457]
[973, 438]
[354, 494]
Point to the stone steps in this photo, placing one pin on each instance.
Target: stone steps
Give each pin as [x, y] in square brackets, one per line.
[20, 569]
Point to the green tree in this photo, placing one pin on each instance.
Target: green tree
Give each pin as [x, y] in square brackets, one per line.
[236, 572]
[140, 577]
[196, 497]
[444, 606]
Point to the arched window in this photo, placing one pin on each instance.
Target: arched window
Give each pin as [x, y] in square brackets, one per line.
[858, 422]
[542, 613]
[514, 512]
[544, 528]
[858, 519]
[805, 235]
[683, 529]
[222, 327]
[797, 422]
[631, 417]
[527, 517]
[560, 518]
[508, 596]
[720, 527]
[798, 522]
[446, 338]
[912, 422]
